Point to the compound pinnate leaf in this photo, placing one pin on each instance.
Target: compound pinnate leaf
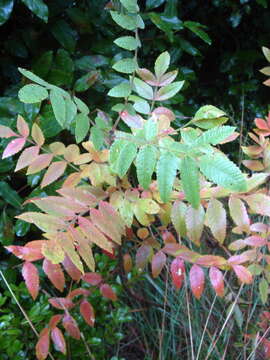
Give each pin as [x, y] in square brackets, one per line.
[178, 272]
[197, 279]
[166, 172]
[145, 164]
[31, 277]
[13, 147]
[32, 93]
[87, 312]
[217, 281]
[158, 263]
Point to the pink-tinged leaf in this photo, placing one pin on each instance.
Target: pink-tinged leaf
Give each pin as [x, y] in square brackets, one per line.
[87, 312]
[71, 269]
[217, 281]
[43, 344]
[94, 235]
[6, 132]
[255, 241]
[165, 112]
[167, 78]
[238, 259]
[78, 292]
[71, 327]
[158, 263]
[239, 213]
[69, 246]
[92, 278]
[142, 256]
[61, 303]
[254, 165]
[54, 171]
[230, 138]
[259, 227]
[30, 252]
[72, 180]
[113, 217]
[41, 162]
[26, 158]
[58, 340]
[55, 274]
[22, 127]
[211, 260]
[107, 291]
[194, 223]
[55, 319]
[147, 76]
[178, 272]
[196, 278]
[216, 219]
[259, 203]
[237, 245]
[261, 124]
[266, 342]
[31, 277]
[37, 135]
[133, 121]
[13, 147]
[168, 237]
[79, 195]
[243, 274]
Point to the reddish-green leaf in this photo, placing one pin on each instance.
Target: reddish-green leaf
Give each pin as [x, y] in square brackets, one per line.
[71, 269]
[142, 256]
[105, 225]
[31, 277]
[27, 157]
[107, 291]
[211, 260]
[22, 126]
[196, 278]
[217, 281]
[58, 340]
[30, 252]
[80, 195]
[92, 278]
[243, 274]
[71, 327]
[45, 222]
[68, 245]
[87, 312]
[239, 213]
[41, 162]
[55, 274]
[61, 303]
[13, 147]
[158, 263]
[216, 219]
[178, 272]
[55, 319]
[54, 171]
[178, 217]
[42, 346]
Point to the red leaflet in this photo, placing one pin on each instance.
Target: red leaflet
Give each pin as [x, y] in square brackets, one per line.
[158, 262]
[216, 278]
[196, 278]
[58, 340]
[243, 274]
[87, 312]
[71, 327]
[31, 277]
[71, 269]
[211, 260]
[27, 157]
[42, 347]
[55, 274]
[22, 126]
[6, 132]
[61, 303]
[54, 172]
[78, 292]
[29, 252]
[92, 278]
[107, 292]
[178, 272]
[13, 147]
[55, 320]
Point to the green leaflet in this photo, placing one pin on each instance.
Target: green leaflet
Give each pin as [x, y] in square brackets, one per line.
[127, 42]
[214, 136]
[130, 5]
[263, 288]
[209, 116]
[126, 66]
[82, 107]
[121, 90]
[59, 106]
[150, 129]
[29, 75]
[178, 217]
[145, 164]
[166, 171]
[143, 89]
[190, 181]
[81, 127]
[97, 137]
[126, 156]
[168, 91]
[38, 7]
[223, 172]
[127, 22]
[266, 53]
[32, 93]
[162, 63]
